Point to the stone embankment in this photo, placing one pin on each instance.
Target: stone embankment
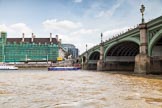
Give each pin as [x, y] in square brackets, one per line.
[66, 63]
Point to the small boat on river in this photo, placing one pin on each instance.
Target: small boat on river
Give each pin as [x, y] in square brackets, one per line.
[63, 68]
[8, 67]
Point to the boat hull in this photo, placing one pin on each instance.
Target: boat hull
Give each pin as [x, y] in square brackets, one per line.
[63, 68]
[6, 67]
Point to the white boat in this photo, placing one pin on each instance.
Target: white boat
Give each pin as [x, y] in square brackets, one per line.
[8, 67]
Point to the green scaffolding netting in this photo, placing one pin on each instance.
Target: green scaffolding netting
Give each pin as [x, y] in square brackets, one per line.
[25, 52]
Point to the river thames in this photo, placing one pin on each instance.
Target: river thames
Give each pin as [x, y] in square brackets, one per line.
[79, 89]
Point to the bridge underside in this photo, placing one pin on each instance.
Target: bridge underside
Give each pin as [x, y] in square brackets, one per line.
[121, 57]
[92, 64]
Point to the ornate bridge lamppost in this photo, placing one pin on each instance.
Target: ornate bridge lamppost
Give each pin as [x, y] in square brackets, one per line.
[100, 63]
[142, 60]
[142, 12]
[86, 48]
[85, 60]
[143, 33]
[101, 48]
[101, 38]
[86, 53]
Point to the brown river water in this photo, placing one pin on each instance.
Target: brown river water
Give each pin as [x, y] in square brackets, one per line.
[79, 89]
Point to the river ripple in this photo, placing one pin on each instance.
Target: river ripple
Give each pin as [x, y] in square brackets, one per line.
[78, 89]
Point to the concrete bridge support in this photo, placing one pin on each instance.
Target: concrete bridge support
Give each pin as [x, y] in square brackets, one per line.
[100, 63]
[85, 66]
[142, 60]
[84, 61]
[142, 64]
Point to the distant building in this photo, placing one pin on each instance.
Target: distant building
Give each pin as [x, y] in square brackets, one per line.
[63, 54]
[28, 49]
[71, 49]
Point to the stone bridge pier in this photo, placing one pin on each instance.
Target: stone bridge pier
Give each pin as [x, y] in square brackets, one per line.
[84, 63]
[142, 60]
[101, 63]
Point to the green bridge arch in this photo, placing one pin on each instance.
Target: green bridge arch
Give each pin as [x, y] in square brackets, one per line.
[118, 42]
[96, 51]
[155, 38]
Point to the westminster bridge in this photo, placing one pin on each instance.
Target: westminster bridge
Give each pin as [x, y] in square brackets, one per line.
[139, 50]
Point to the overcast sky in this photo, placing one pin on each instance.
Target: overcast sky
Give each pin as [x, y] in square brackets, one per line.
[78, 22]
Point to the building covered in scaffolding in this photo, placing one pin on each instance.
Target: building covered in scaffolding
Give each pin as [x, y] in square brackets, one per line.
[28, 49]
